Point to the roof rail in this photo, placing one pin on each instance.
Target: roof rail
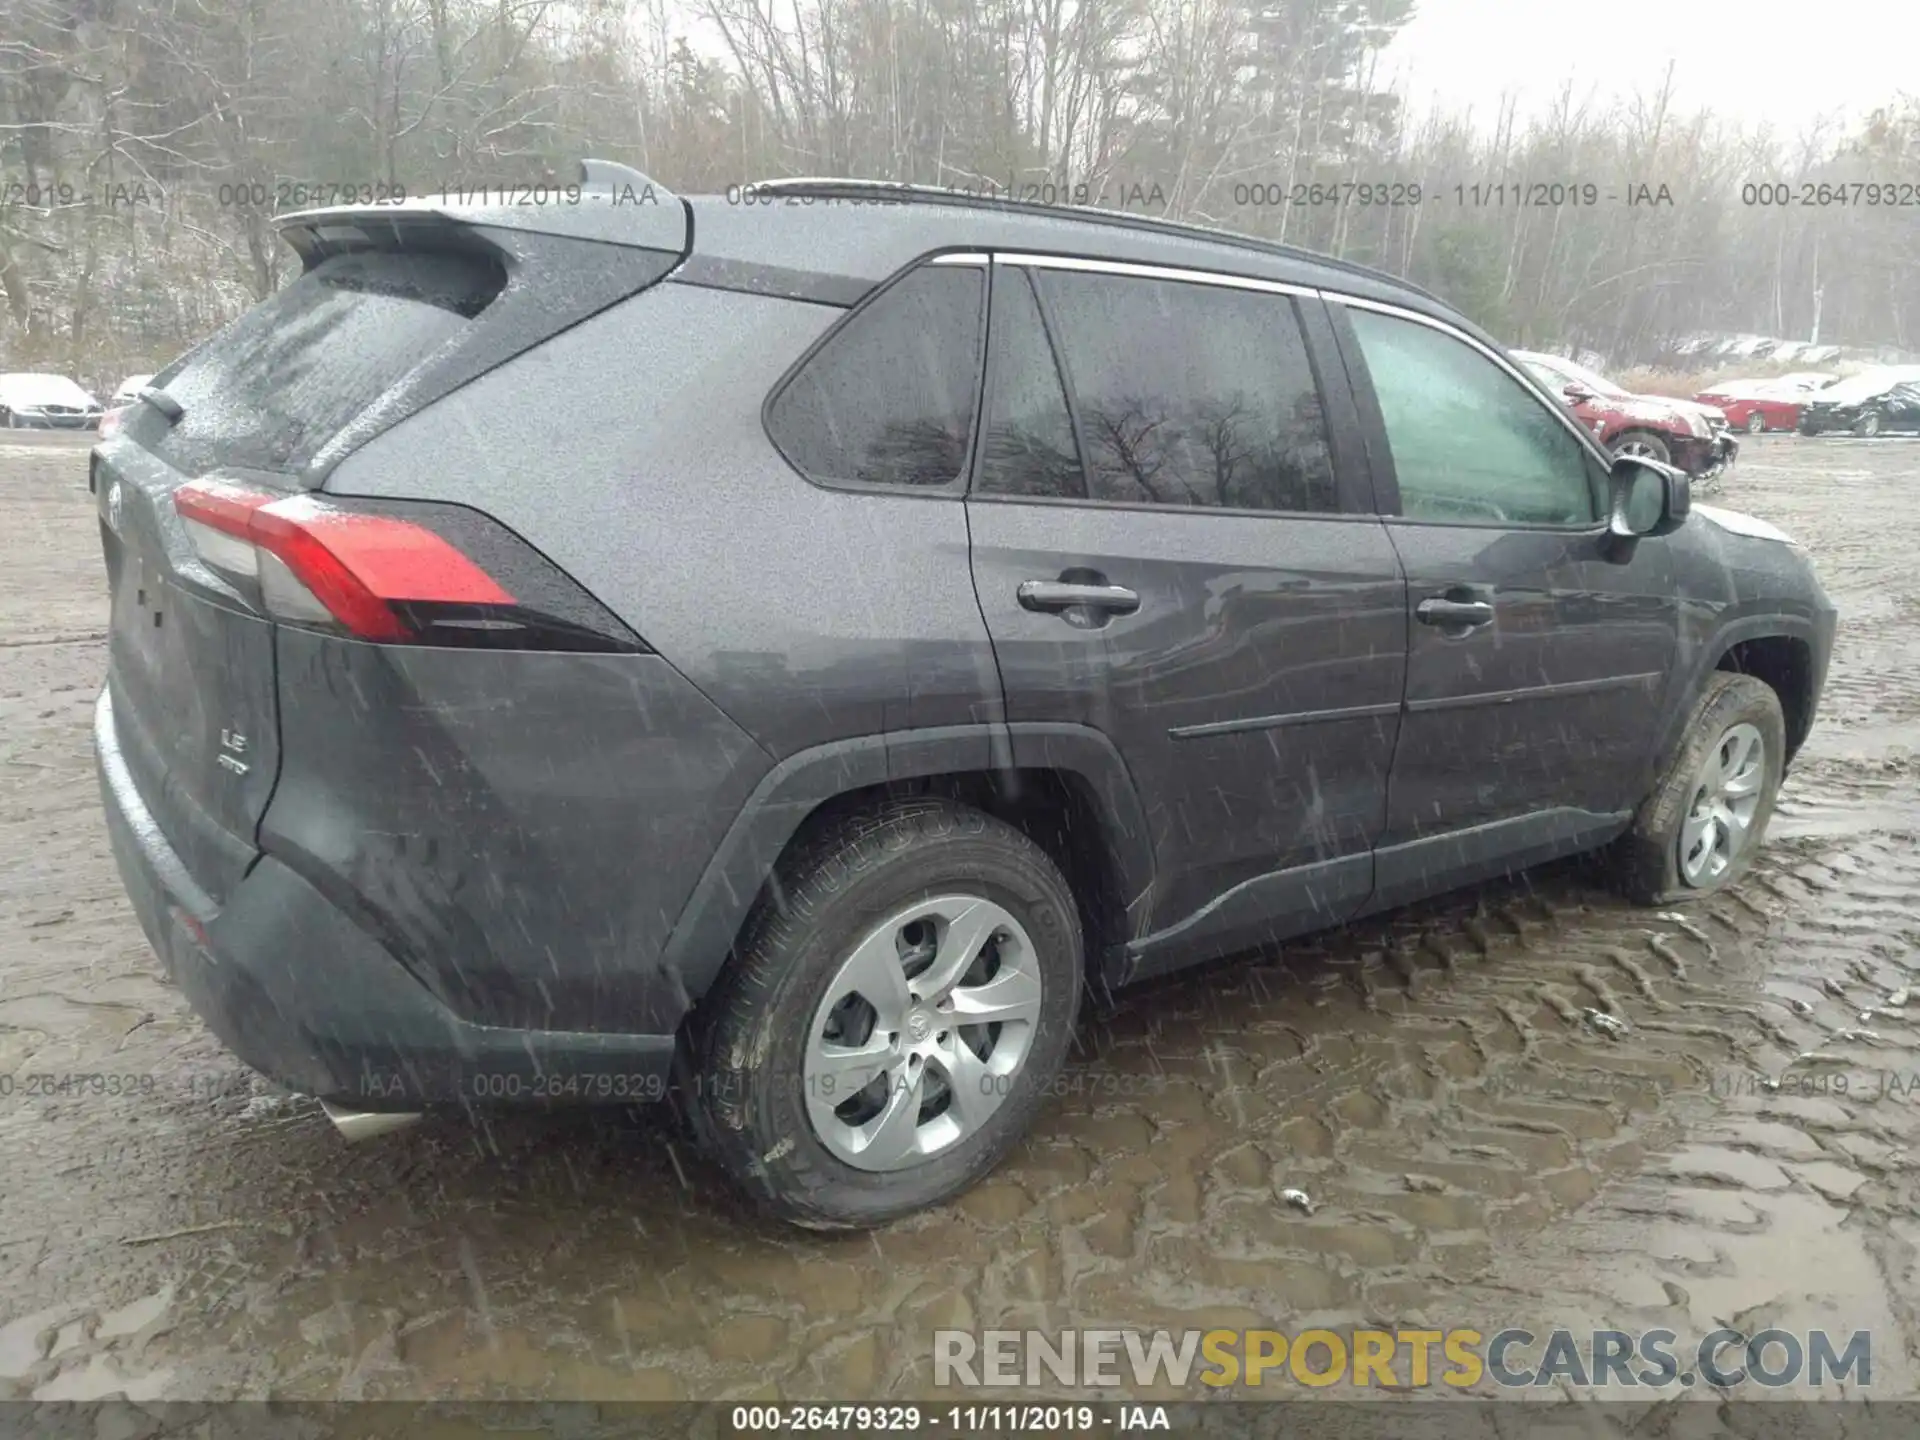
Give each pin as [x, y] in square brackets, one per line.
[907, 192]
[615, 176]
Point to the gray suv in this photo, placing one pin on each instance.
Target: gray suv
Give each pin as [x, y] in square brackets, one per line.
[781, 649]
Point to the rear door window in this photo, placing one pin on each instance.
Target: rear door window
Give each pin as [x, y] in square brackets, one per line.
[274, 387]
[1191, 394]
[889, 398]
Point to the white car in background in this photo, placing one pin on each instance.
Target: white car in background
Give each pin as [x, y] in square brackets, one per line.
[129, 390]
[46, 402]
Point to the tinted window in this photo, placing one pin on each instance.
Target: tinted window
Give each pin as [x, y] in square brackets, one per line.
[1191, 394]
[285, 378]
[1469, 441]
[1029, 447]
[888, 400]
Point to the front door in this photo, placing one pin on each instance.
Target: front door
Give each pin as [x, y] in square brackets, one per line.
[1164, 555]
[1539, 650]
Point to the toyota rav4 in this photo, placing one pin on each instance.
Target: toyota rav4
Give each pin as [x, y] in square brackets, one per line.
[786, 654]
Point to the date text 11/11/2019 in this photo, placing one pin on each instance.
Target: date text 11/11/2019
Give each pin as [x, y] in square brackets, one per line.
[1856, 1084]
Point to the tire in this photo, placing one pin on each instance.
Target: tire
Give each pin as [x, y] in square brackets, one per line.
[1868, 425]
[768, 1025]
[1643, 442]
[1651, 859]
[7, 419]
[1756, 423]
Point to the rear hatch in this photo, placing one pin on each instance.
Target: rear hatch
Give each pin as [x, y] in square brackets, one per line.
[395, 307]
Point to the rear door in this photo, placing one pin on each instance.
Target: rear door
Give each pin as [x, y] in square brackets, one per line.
[1165, 552]
[1539, 653]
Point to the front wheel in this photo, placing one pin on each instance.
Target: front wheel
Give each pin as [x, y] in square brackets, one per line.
[897, 1009]
[1868, 425]
[1644, 444]
[1699, 829]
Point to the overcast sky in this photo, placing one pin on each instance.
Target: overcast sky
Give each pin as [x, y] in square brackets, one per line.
[1779, 62]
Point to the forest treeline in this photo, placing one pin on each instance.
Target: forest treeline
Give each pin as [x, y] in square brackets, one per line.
[144, 145]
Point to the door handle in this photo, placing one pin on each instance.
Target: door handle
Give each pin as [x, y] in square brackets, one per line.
[1454, 614]
[1056, 595]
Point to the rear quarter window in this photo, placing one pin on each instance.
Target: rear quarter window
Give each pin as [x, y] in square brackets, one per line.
[888, 398]
[274, 387]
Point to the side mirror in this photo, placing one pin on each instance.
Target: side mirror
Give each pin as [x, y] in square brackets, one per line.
[1648, 497]
[1576, 394]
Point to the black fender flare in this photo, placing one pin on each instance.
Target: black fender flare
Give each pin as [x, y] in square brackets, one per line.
[704, 933]
[1706, 659]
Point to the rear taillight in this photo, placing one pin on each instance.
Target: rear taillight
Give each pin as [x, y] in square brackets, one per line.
[356, 567]
[111, 422]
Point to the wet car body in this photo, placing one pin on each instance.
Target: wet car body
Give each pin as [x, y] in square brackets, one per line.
[1776, 401]
[484, 826]
[1757, 406]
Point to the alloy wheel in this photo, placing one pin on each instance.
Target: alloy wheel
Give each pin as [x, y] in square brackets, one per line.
[1726, 794]
[922, 1033]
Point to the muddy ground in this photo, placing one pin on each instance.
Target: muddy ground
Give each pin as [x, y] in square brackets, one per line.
[1474, 1157]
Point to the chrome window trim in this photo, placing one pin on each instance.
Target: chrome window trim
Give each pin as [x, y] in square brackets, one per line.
[1137, 271]
[960, 257]
[1527, 382]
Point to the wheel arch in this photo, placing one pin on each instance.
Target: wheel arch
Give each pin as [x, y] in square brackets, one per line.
[1071, 786]
[1779, 650]
[1785, 664]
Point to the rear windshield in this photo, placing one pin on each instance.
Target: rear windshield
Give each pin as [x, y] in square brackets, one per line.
[271, 389]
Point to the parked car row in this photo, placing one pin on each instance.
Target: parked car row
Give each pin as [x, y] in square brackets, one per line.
[1874, 402]
[30, 400]
[1757, 406]
[1697, 434]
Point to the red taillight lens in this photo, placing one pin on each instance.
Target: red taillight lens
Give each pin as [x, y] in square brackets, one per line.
[317, 562]
[111, 422]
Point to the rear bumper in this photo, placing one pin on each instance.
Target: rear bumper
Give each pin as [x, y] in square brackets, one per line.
[300, 992]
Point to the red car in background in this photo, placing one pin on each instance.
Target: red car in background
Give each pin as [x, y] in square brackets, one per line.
[1760, 405]
[1685, 433]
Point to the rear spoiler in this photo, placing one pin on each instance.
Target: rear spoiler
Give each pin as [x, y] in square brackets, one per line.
[568, 252]
[611, 204]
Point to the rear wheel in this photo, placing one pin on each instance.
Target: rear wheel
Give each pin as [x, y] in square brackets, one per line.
[1756, 422]
[893, 1015]
[1700, 828]
[1644, 444]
